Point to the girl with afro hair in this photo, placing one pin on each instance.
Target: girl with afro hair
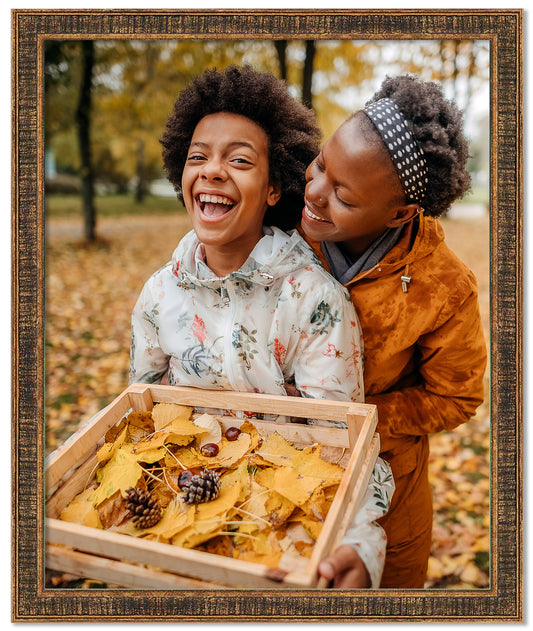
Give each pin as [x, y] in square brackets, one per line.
[372, 201]
[244, 304]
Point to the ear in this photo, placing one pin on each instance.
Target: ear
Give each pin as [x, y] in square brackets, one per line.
[273, 195]
[404, 214]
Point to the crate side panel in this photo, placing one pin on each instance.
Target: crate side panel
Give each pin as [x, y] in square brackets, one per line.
[201, 565]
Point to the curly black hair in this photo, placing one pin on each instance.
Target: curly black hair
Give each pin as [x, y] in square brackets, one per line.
[292, 131]
[437, 124]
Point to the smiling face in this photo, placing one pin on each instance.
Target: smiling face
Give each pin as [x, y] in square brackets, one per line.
[226, 187]
[353, 193]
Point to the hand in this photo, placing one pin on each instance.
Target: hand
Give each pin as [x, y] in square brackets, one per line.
[292, 390]
[345, 568]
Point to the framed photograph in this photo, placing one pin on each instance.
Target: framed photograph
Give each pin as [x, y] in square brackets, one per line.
[76, 272]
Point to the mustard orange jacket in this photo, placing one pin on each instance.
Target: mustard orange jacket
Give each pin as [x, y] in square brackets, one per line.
[424, 349]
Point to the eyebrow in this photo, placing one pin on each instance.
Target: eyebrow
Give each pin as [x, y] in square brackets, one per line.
[231, 145]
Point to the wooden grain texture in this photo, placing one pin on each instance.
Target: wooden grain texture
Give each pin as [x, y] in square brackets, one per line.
[503, 601]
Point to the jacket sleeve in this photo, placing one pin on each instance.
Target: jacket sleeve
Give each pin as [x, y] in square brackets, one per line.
[365, 534]
[148, 361]
[328, 360]
[452, 364]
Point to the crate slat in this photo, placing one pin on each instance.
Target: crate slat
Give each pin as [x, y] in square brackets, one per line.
[118, 573]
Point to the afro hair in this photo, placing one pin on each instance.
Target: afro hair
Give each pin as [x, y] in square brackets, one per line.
[291, 128]
[437, 124]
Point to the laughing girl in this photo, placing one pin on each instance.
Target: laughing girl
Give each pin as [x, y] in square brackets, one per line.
[244, 304]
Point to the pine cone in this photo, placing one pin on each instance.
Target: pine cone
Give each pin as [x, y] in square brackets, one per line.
[143, 507]
[203, 487]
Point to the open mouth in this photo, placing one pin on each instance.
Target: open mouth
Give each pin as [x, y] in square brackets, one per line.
[311, 215]
[214, 206]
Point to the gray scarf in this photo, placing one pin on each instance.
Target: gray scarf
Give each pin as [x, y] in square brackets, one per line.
[344, 269]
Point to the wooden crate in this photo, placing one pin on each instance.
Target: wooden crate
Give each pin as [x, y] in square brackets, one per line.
[130, 562]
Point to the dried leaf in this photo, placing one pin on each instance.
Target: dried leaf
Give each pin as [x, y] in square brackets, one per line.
[214, 431]
[121, 472]
[164, 413]
[113, 511]
[81, 511]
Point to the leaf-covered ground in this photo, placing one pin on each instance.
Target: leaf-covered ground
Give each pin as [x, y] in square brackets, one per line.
[90, 293]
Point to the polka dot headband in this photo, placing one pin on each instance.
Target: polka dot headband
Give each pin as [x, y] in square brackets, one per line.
[407, 155]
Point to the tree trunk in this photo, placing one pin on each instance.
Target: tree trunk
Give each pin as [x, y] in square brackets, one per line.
[281, 49]
[83, 118]
[307, 79]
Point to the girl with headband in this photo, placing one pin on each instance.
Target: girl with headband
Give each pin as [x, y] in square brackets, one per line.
[372, 200]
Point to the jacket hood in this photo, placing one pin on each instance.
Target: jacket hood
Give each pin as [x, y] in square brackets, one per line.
[275, 255]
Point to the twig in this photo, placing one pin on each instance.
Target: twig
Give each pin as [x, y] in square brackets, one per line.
[240, 510]
[174, 456]
[154, 477]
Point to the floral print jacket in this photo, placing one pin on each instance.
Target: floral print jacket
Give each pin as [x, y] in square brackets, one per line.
[279, 318]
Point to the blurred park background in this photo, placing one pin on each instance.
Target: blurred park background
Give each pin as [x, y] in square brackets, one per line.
[111, 219]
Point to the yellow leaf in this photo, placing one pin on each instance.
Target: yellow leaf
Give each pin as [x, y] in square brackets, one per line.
[231, 451]
[312, 527]
[289, 483]
[108, 449]
[177, 432]
[308, 463]
[165, 413]
[277, 450]
[151, 455]
[81, 511]
[139, 426]
[121, 472]
[176, 517]
[255, 436]
[317, 505]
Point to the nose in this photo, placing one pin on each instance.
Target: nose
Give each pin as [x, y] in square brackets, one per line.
[213, 170]
[315, 192]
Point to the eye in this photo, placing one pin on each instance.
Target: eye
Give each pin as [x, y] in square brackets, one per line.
[241, 160]
[195, 158]
[342, 201]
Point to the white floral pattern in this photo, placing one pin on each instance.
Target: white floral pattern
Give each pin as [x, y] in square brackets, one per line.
[279, 318]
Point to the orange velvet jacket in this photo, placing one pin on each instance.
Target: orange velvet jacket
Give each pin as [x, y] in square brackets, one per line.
[424, 348]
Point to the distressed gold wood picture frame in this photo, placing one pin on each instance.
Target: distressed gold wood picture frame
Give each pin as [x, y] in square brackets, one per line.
[502, 600]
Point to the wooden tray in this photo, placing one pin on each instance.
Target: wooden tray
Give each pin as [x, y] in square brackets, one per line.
[130, 562]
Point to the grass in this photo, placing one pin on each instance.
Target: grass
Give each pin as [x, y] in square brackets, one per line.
[62, 206]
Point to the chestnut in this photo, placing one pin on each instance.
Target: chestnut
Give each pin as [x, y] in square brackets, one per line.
[209, 449]
[232, 433]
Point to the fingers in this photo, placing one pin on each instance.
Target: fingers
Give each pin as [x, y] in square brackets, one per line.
[345, 568]
[292, 390]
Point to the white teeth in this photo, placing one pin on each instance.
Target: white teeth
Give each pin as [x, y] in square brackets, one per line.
[215, 199]
[313, 216]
